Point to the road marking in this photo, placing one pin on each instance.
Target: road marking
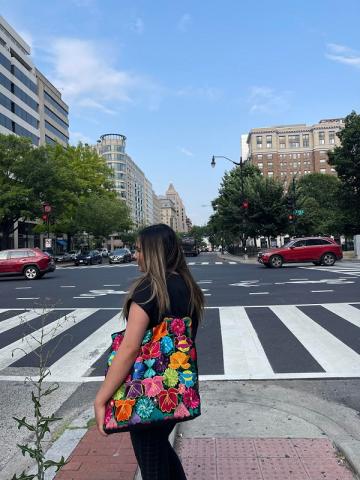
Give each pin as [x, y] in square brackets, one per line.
[67, 286]
[27, 298]
[332, 354]
[258, 293]
[79, 359]
[84, 297]
[22, 288]
[319, 291]
[299, 279]
[207, 294]
[346, 311]
[191, 263]
[18, 349]
[204, 289]
[204, 263]
[243, 352]
[232, 263]
[21, 318]
[218, 263]
[113, 285]
[204, 281]
[246, 283]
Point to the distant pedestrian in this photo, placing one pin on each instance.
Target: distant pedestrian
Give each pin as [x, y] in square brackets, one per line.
[166, 288]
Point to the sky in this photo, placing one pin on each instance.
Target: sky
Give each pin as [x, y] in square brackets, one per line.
[182, 80]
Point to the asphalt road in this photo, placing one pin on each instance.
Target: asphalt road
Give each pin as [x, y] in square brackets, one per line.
[298, 326]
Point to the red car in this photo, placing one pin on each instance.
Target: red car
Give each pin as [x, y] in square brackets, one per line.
[30, 262]
[318, 250]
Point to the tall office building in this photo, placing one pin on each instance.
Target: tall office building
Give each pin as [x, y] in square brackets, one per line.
[130, 181]
[28, 101]
[288, 150]
[173, 195]
[168, 212]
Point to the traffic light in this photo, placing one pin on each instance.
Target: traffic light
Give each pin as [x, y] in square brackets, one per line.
[245, 204]
[291, 218]
[290, 203]
[45, 218]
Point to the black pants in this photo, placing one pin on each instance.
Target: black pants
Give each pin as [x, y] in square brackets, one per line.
[156, 457]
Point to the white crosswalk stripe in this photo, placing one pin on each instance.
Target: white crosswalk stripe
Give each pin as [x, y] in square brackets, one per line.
[349, 269]
[244, 355]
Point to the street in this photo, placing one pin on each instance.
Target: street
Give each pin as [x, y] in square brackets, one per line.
[297, 324]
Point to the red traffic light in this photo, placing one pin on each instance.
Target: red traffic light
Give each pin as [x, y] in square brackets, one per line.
[245, 204]
[290, 217]
[44, 217]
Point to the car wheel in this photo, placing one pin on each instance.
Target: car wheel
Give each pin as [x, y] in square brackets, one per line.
[267, 265]
[100, 261]
[31, 272]
[316, 263]
[328, 259]
[276, 261]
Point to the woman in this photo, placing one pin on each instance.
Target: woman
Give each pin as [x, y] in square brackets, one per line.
[165, 288]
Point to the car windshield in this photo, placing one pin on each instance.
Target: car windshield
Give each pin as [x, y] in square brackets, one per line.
[289, 244]
[119, 251]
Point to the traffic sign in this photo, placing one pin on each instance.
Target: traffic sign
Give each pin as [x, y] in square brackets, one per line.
[48, 242]
[299, 212]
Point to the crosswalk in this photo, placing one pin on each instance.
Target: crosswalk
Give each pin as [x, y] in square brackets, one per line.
[339, 268]
[242, 342]
[212, 263]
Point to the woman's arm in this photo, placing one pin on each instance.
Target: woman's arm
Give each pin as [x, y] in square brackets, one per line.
[124, 359]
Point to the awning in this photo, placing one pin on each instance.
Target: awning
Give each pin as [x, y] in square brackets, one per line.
[62, 242]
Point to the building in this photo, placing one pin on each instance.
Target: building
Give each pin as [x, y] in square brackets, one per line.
[156, 208]
[288, 150]
[27, 98]
[168, 212]
[130, 182]
[172, 194]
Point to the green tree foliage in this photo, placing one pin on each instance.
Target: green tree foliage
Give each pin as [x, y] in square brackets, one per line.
[346, 161]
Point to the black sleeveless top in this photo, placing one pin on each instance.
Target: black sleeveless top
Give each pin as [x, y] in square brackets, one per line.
[179, 296]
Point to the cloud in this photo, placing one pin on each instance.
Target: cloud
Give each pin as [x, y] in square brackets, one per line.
[186, 152]
[343, 54]
[138, 26]
[184, 22]
[76, 137]
[267, 100]
[81, 69]
[209, 93]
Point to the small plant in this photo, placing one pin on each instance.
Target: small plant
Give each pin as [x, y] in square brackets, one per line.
[41, 424]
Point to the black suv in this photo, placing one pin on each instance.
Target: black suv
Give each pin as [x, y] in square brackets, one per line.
[88, 257]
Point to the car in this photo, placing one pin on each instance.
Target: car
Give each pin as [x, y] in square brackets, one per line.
[318, 250]
[88, 257]
[133, 254]
[32, 263]
[120, 255]
[104, 252]
[63, 257]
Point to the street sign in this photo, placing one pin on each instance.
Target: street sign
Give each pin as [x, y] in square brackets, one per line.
[48, 242]
[47, 208]
[299, 212]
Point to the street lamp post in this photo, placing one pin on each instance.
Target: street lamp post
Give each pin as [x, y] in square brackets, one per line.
[243, 200]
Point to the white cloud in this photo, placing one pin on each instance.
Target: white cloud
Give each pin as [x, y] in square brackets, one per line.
[343, 54]
[186, 152]
[76, 137]
[267, 100]
[87, 79]
[210, 93]
[138, 26]
[184, 22]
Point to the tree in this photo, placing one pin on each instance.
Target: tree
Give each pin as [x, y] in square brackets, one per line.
[346, 161]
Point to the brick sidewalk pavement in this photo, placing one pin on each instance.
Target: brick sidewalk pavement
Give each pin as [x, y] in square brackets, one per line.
[101, 458]
[261, 459]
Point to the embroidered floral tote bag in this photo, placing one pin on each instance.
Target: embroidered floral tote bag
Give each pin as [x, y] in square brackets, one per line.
[163, 383]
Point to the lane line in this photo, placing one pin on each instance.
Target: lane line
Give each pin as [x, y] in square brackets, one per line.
[113, 285]
[243, 352]
[22, 288]
[232, 263]
[319, 291]
[27, 298]
[258, 293]
[67, 286]
[85, 297]
[18, 349]
[333, 355]
[79, 359]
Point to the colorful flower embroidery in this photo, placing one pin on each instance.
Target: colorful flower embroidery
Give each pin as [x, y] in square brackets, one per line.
[179, 360]
[117, 342]
[111, 358]
[138, 371]
[191, 398]
[134, 389]
[181, 388]
[187, 377]
[144, 407]
[147, 337]
[183, 343]
[151, 350]
[150, 372]
[160, 331]
[123, 409]
[168, 400]
[108, 413]
[192, 354]
[171, 377]
[120, 393]
[181, 411]
[177, 326]
[161, 363]
[167, 345]
[153, 386]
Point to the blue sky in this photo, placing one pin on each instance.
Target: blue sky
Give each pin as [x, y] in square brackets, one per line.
[183, 80]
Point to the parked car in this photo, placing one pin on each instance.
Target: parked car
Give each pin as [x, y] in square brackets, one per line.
[63, 257]
[88, 257]
[133, 254]
[73, 253]
[30, 262]
[318, 250]
[104, 252]
[120, 255]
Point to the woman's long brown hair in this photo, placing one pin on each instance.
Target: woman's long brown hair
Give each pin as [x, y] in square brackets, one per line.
[163, 255]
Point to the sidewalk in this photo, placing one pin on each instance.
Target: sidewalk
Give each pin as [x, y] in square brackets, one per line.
[247, 431]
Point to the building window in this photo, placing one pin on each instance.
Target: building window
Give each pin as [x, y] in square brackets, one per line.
[259, 157]
[260, 165]
[55, 104]
[322, 138]
[56, 132]
[282, 155]
[332, 138]
[270, 164]
[268, 141]
[270, 174]
[322, 160]
[269, 156]
[259, 141]
[282, 143]
[322, 170]
[294, 141]
[305, 138]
